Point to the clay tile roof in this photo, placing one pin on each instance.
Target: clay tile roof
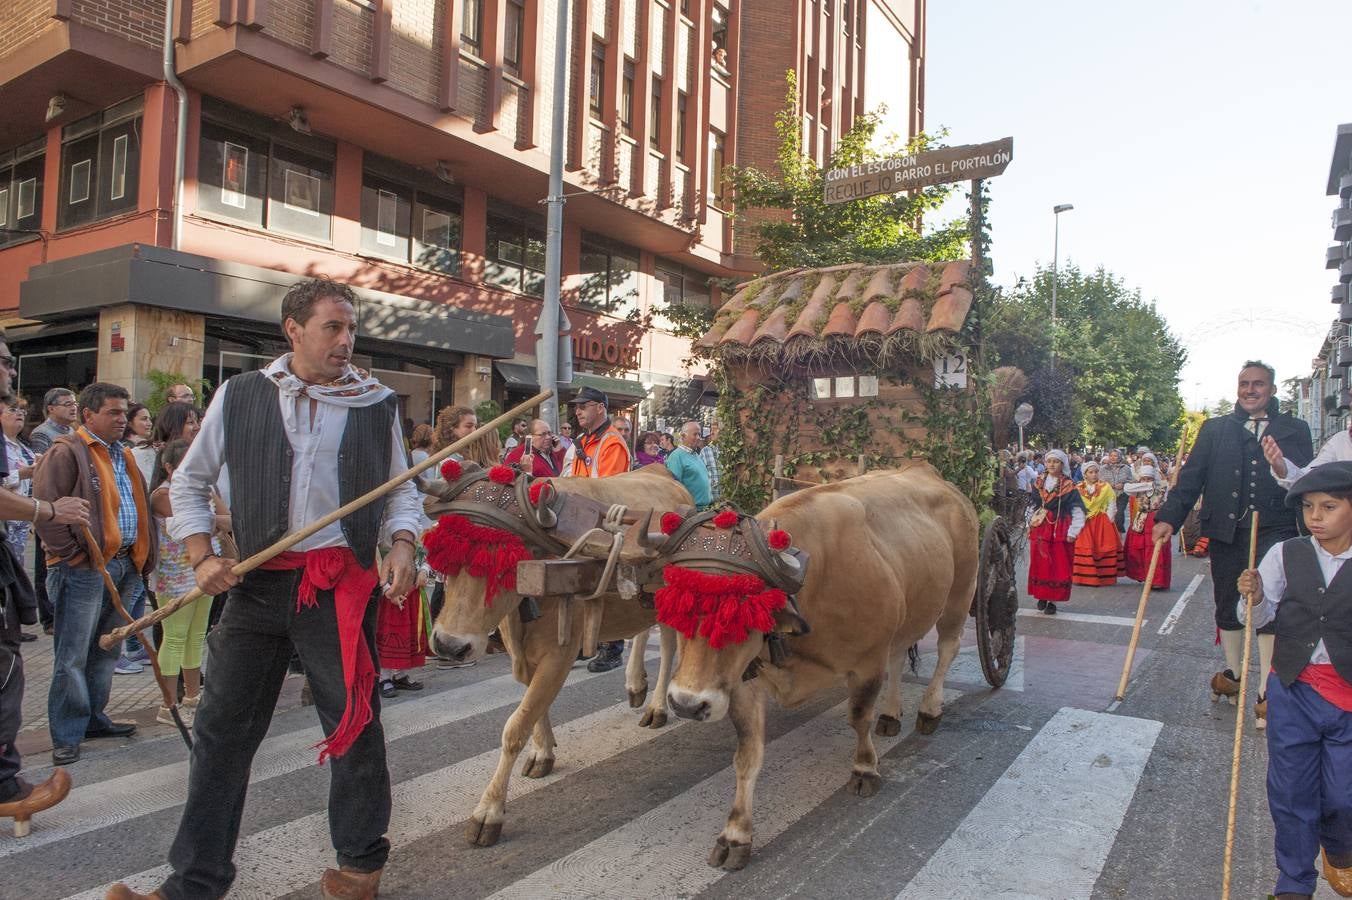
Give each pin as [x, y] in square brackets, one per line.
[876, 318]
[844, 302]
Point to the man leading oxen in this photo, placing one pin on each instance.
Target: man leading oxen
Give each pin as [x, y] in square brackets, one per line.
[890, 555]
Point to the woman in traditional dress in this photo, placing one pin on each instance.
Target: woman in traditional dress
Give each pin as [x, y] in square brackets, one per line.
[1147, 491]
[1098, 549]
[1057, 519]
[401, 638]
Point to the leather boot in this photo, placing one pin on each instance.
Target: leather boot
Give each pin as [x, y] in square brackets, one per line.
[1260, 714]
[348, 883]
[1224, 684]
[35, 798]
[120, 891]
[1339, 877]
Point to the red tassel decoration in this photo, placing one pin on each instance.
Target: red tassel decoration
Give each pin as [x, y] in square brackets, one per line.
[779, 540]
[670, 522]
[724, 609]
[501, 474]
[726, 519]
[456, 544]
[450, 470]
[536, 489]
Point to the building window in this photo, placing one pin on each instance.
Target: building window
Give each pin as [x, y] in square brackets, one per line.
[438, 227]
[513, 35]
[516, 251]
[405, 223]
[596, 87]
[718, 187]
[100, 165]
[681, 285]
[719, 37]
[261, 174]
[472, 26]
[655, 115]
[21, 192]
[680, 125]
[627, 98]
[386, 217]
[609, 276]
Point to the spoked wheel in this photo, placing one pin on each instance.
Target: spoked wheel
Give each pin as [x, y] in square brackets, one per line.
[996, 603]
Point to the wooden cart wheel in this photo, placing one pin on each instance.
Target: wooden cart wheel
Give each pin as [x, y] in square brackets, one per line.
[996, 603]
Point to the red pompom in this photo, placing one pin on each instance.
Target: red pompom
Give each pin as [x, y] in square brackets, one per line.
[501, 474]
[726, 519]
[670, 522]
[450, 470]
[536, 489]
[779, 539]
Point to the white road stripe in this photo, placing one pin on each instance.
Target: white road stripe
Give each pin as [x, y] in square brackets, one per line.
[1091, 618]
[966, 668]
[1046, 827]
[662, 853]
[99, 805]
[293, 855]
[1177, 612]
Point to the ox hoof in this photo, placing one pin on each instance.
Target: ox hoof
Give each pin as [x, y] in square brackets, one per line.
[538, 766]
[888, 726]
[925, 723]
[730, 856]
[636, 698]
[864, 784]
[653, 719]
[482, 834]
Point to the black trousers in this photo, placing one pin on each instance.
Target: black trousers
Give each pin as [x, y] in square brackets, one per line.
[1228, 562]
[11, 714]
[250, 648]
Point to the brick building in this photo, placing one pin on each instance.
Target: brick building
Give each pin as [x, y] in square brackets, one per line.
[400, 146]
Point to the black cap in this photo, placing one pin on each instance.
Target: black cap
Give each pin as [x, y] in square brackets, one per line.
[588, 395]
[1334, 477]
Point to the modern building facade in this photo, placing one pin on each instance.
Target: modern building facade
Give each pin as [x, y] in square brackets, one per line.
[402, 147]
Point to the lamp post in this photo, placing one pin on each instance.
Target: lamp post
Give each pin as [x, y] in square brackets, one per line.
[1056, 251]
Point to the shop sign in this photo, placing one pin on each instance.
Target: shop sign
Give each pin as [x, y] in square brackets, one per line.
[906, 173]
[605, 350]
[118, 342]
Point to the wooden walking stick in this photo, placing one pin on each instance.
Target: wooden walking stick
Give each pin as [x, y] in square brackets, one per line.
[170, 701]
[1239, 720]
[1136, 627]
[291, 540]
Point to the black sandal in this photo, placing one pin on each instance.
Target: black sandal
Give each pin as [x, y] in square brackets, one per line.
[387, 688]
[404, 683]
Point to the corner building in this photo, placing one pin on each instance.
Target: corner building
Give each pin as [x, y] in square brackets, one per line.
[401, 147]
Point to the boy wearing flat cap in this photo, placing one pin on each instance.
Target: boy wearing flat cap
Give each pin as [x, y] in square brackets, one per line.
[1303, 585]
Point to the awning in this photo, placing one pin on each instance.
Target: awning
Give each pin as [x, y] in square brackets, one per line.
[523, 377]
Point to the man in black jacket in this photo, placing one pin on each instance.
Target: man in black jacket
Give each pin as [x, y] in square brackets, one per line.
[1228, 471]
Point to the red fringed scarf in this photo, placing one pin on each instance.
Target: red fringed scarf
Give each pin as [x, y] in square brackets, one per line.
[490, 553]
[336, 569]
[722, 608]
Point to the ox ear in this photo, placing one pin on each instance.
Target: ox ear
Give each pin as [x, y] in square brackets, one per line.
[788, 621]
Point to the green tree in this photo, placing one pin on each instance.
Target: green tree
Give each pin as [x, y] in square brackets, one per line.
[1117, 362]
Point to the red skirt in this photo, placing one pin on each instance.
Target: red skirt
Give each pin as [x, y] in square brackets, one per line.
[1098, 553]
[401, 640]
[1138, 550]
[1049, 561]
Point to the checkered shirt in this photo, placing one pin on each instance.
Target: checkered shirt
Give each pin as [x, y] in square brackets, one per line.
[126, 506]
[710, 456]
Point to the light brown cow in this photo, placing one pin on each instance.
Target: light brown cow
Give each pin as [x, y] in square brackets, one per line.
[892, 555]
[539, 661]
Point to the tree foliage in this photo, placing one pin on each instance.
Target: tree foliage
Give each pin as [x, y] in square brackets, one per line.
[1117, 365]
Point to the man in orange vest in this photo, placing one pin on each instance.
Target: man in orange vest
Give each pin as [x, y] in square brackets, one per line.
[598, 451]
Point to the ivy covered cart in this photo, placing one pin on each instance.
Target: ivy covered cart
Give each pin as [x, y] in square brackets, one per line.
[824, 373]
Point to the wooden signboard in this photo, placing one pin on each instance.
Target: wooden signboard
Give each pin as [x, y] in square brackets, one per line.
[905, 173]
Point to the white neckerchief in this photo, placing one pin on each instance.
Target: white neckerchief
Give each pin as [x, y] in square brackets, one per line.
[353, 389]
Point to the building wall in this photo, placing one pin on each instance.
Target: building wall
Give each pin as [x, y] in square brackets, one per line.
[24, 20]
[139, 21]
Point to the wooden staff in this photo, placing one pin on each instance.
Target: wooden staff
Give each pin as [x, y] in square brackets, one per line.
[291, 540]
[1136, 627]
[170, 701]
[1239, 720]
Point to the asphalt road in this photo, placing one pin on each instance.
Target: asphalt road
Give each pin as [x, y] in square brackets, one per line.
[1029, 791]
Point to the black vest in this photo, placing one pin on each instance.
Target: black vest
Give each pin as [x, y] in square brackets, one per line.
[259, 457]
[1311, 611]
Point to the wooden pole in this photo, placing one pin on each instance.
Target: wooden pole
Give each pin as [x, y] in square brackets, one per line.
[291, 540]
[778, 474]
[1239, 721]
[1140, 617]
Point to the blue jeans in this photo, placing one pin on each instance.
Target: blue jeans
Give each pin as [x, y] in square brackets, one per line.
[82, 672]
[136, 605]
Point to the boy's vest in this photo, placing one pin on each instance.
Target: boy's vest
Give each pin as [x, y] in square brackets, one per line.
[1311, 611]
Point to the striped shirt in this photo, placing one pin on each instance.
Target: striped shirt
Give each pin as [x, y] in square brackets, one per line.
[126, 505]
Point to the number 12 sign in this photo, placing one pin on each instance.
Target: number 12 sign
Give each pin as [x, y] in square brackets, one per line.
[950, 371]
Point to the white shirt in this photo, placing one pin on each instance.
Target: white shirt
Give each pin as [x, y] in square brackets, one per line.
[314, 474]
[1336, 449]
[1273, 572]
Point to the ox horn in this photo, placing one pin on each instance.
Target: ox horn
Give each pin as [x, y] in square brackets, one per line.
[649, 543]
[544, 515]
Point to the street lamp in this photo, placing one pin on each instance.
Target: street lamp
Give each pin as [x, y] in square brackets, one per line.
[1056, 250]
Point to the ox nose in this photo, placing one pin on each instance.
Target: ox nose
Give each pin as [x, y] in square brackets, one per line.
[697, 711]
[448, 647]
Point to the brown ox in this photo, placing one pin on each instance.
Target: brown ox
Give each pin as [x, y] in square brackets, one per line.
[892, 555]
[539, 661]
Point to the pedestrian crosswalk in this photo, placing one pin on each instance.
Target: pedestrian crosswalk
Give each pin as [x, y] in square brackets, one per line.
[1075, 778]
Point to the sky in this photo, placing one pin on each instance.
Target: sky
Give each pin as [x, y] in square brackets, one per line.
[1194, 139]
